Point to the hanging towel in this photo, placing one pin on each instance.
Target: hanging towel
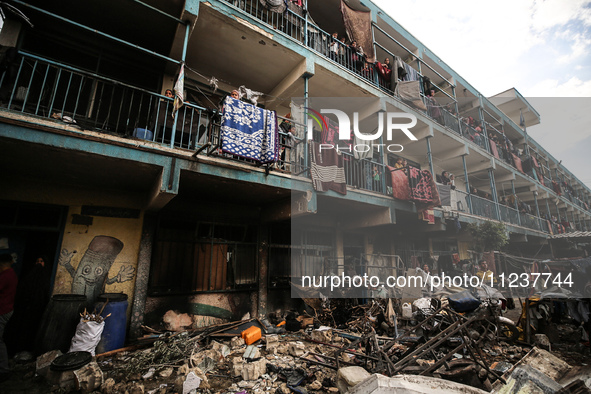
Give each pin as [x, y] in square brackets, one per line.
[327, 170]
[249, 132]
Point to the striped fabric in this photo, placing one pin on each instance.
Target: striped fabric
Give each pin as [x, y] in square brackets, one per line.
[327, 169]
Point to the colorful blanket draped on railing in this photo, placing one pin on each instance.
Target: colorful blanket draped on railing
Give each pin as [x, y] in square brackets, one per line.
[326, 169]
[423, 190]
[358, 26]
[517, 162]
[249, 132]
[400, 188]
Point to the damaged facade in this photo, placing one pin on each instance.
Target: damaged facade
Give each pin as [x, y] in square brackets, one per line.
[125, 198]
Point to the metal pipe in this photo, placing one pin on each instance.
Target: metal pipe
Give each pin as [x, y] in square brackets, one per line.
[159, 11]
[183, 57]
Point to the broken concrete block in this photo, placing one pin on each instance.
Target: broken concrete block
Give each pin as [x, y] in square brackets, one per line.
[108, 387]
[315, 385]
[222, 349]
[166, 372]
[252, 352]
[192, 382]
[174, 321]
[297, 349]
[543, 342]
[89, 377]
[237, 342]
[252, 371]
[44, 362]
[414, 384]
[324, 336]
[272, 341]
[349, 377]
[237, 366]
[547, 363]
[525, 379]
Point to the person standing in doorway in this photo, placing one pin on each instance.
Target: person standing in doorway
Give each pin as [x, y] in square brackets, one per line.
[8, 283]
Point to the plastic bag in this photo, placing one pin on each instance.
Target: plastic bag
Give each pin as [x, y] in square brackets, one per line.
[88, 335]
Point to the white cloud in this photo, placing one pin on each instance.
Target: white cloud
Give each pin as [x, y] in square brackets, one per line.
[490, 43]
[574, 87]
[579, 47]
[550, 13]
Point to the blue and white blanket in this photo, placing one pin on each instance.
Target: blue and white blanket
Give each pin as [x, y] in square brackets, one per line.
[249, 132]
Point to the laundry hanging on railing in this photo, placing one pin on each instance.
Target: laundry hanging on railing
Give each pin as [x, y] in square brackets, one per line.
[411, 73]
[410, 91]
[327, 169]
[278, 6]
[400, 185]
[358, 26]
[249, 132]
[493, 149]
[517, 162]
[423, 190]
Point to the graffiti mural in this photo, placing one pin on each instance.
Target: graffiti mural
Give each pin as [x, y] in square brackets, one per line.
[91, 275]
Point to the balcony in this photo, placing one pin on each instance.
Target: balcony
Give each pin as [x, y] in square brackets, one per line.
[46, 89]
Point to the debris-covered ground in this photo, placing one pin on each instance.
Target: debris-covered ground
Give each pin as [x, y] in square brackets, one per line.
[342, 345]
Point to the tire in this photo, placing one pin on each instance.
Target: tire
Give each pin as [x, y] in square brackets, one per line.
[507, 329]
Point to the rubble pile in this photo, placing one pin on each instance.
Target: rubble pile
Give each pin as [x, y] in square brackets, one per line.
[345, 347]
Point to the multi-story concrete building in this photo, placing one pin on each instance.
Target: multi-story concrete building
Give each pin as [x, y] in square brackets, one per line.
[125, 198]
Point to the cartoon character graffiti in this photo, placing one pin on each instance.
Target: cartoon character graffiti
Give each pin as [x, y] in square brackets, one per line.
[90, 277]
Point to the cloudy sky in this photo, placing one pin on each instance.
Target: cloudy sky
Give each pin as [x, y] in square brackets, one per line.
[542, 48]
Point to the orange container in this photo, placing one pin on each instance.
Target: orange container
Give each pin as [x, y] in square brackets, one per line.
[251, 335]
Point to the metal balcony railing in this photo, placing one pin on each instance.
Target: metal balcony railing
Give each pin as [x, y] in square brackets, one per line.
[50, 90]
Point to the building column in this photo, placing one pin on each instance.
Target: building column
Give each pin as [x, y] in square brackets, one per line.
[263, 256]
[183, 57]
[140, 293]
[469, 199]
[429, 156]
[493, 188]
[516, 205]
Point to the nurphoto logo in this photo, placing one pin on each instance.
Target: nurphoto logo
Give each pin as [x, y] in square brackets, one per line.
[390, 121]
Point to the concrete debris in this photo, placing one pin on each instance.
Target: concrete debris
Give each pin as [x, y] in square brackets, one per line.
[272, 341]
[349, 377]
[237, 342]
[297, 349]
[149, 374]
[542, 341]
[411, 384]
[252, 352]
[192, 382]
[322, 335]
[44, 362]
[362, 351]
[526, 379]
